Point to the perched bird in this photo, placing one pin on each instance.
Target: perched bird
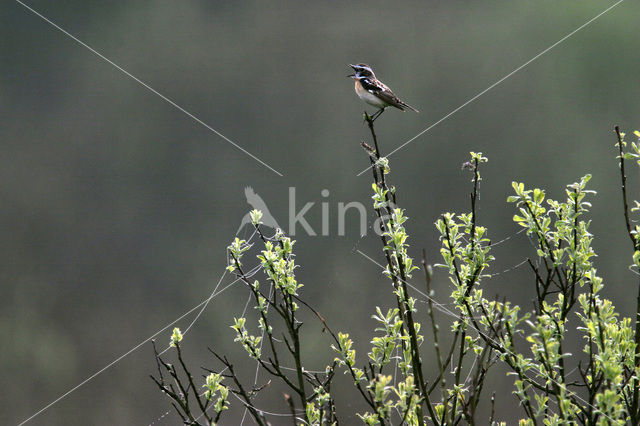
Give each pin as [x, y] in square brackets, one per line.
[374, 92]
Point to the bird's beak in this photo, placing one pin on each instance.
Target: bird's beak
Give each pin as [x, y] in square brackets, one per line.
[354, 68]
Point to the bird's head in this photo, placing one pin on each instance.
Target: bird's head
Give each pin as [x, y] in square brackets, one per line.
[361, 71]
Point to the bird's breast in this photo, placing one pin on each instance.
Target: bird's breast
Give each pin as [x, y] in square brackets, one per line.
[369, 97]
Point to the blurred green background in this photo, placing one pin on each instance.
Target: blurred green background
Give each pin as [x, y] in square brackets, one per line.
[117, 208]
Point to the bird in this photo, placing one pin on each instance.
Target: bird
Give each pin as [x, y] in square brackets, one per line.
[374, 92]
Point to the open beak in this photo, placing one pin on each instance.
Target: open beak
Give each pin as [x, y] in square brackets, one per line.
[352, 75]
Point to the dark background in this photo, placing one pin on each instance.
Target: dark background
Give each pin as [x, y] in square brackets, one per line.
[117, 207]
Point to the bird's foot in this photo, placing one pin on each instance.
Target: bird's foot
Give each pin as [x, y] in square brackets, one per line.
[375, 116]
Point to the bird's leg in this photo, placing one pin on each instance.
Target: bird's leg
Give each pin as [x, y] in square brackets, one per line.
[375, 116]
[371, 118]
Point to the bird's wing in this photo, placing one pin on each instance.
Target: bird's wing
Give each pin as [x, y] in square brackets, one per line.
[383, 92]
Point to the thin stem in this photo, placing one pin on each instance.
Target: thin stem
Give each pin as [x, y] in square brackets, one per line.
[636, 243]
[434, 328]
[623, 178]
[398, 276]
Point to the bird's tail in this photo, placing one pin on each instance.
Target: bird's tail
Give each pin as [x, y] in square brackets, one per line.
[409, 106]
